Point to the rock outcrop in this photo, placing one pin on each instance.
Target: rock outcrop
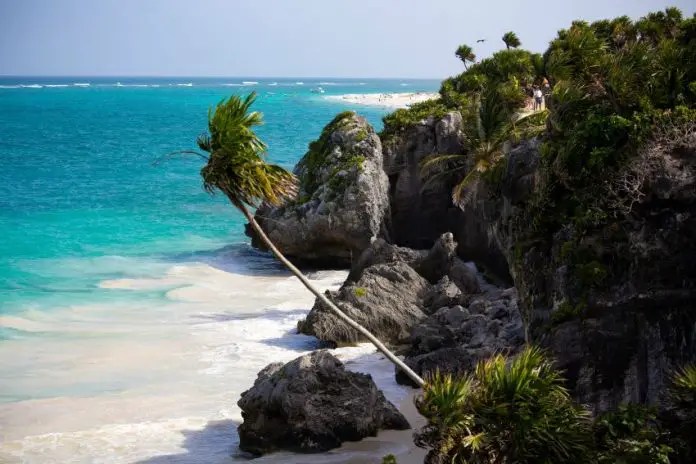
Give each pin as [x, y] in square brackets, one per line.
[312, 404]
[455, 338]
[616, 303]
[343, 199]
[613, 303]
[420, 215]
[389, 291]
[385, 300]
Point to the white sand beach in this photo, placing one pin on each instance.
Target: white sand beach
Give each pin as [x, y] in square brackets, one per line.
[391, 100]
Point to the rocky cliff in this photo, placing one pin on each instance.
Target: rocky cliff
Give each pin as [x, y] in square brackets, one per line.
[613, 299]
[421, 212]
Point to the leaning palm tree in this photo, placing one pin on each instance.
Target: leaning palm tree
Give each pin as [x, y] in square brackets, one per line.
[511, 40]
[466, 54]
[489, 124]
[236, 166]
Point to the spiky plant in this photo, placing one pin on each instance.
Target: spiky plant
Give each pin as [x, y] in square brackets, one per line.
[509, 410]
[236, 166]
[511, 40]
[682, 402]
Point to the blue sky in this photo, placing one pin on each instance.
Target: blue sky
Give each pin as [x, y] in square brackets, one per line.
[318, 38]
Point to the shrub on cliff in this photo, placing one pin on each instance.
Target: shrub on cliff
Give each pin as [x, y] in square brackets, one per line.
[631, 435]
[682, 414]
[513, 410]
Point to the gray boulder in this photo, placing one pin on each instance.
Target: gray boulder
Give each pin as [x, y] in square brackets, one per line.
[312, 404]
[381, 252]
[444, 293]
[386, 300]
[343, 197]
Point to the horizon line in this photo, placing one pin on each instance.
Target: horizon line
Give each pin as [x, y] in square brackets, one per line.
[100, 76]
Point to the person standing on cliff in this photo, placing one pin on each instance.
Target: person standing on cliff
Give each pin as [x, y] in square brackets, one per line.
[538, 98]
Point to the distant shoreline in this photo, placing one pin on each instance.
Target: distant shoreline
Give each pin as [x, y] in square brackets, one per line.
[390, 100]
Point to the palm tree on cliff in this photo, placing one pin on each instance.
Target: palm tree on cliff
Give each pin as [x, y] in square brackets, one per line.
[466, 54]
[511, 40]
[236, 166]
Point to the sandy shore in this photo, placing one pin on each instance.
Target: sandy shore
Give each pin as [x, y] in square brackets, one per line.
[390, 100]
[396, 442]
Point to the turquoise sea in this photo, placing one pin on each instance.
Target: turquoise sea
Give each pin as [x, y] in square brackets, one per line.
[131, 307]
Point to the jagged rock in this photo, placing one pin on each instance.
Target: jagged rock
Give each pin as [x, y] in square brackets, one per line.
[439, 260]
[420, 215]
[619, 337]
[464, 277]
[454, 339]
[343, 197]
[381, 252]
[444, 293]
[386, 300]
[312, 404]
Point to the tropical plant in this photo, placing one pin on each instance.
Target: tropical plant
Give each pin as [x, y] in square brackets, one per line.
[489, 124]
[466, 54]
[236, 166]
[682, 402]
[508, 411]
[631, 435]
[511, 40]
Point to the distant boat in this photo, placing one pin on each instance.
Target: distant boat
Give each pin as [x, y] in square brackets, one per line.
[317, 90]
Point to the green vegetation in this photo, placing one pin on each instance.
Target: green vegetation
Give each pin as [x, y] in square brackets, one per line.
[517, 410]
[360, 292]
[506, 411]
[395, 122]
[310, 165]
[682, 420]
[389, 459]
[631, 435]
[614, 83]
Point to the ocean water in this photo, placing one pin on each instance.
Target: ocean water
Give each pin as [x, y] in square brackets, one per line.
[132, 310]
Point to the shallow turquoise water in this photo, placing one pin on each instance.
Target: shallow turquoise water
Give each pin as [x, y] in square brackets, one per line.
[78, 183]
[133, 313]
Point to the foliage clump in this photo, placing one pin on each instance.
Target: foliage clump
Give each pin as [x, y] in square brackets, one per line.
[508, 410]
[516, 410]
[395, 122]
[615, 82]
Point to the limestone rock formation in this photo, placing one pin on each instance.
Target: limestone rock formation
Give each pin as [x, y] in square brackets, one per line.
[419, 216]
[343, 198]
[385, 300]
[455, 338]
[312, 404]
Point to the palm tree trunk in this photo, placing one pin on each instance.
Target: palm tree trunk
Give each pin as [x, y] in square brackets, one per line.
[375, 341]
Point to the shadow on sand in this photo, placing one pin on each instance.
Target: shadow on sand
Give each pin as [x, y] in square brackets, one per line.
[232, 316]
[216, 443]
